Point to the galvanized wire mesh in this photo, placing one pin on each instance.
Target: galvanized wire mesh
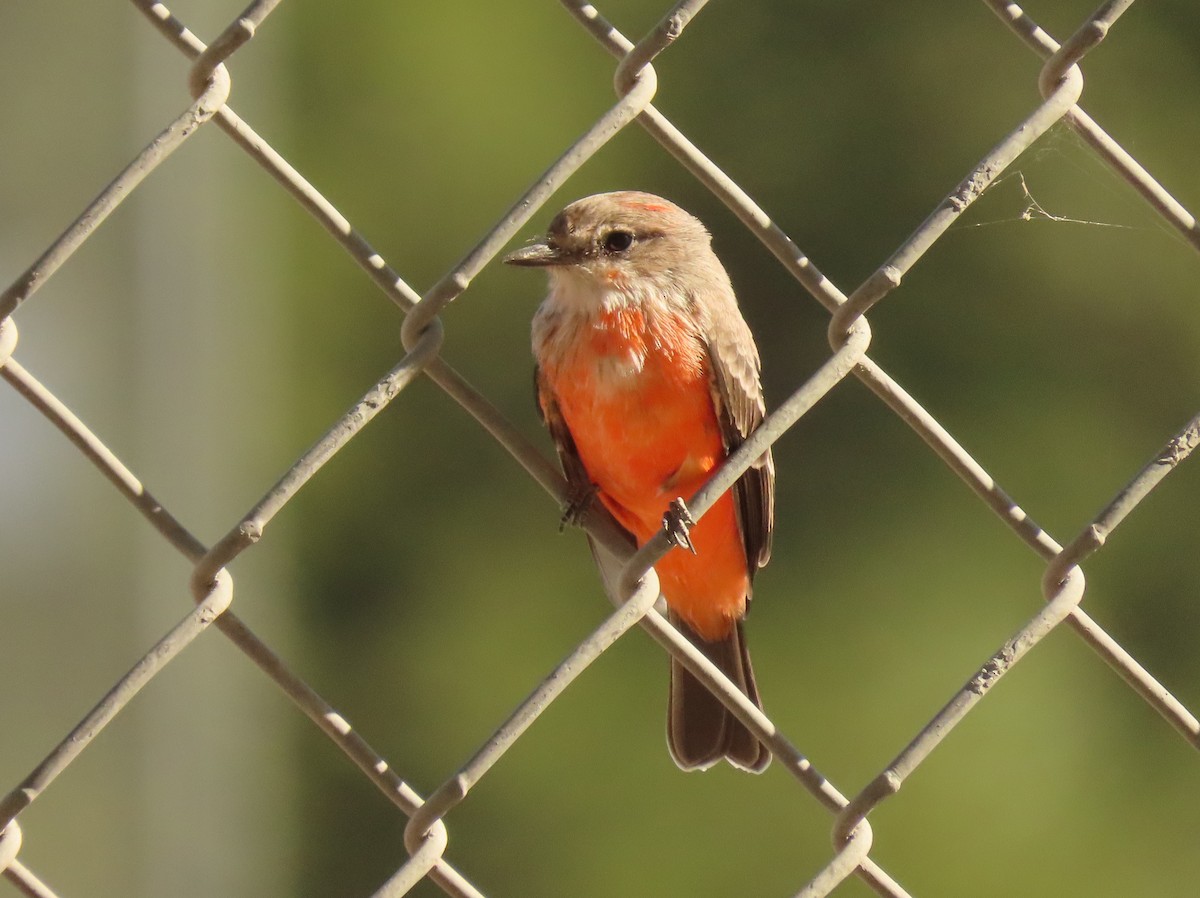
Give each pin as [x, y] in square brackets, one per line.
[431, 855]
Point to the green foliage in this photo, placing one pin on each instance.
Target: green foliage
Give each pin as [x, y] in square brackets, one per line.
[1054, 331]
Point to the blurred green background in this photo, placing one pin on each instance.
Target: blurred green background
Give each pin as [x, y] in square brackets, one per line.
[210, 331]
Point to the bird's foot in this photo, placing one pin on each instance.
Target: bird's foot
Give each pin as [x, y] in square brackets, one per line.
[677, 524]
[578, 503]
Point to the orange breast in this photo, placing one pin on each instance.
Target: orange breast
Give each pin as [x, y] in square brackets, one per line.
[635, 395]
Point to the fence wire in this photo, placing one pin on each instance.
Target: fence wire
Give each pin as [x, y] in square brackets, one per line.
[427, 837]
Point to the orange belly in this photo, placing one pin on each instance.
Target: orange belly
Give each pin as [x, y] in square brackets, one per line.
[647, 433]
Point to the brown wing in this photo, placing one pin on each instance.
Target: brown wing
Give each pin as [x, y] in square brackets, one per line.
[581, 487]
[568, 455]
[740, 408]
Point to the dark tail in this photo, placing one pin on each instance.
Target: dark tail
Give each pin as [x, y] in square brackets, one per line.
[700, 730]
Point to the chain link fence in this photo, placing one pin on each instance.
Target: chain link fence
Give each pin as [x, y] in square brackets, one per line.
[430, 848]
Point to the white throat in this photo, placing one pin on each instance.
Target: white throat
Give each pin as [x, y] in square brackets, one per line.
[570, 313]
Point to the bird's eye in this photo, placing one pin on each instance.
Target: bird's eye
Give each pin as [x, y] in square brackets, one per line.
[617, 241]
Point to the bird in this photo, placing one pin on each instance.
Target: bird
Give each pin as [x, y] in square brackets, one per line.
[647, 377]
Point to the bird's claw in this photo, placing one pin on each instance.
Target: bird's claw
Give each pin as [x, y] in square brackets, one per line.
[677, 524]
[577, 505]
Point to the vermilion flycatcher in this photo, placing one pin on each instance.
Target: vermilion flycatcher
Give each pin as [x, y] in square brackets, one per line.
[647, 378]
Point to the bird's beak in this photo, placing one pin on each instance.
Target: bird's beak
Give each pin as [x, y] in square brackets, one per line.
[538, 255]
